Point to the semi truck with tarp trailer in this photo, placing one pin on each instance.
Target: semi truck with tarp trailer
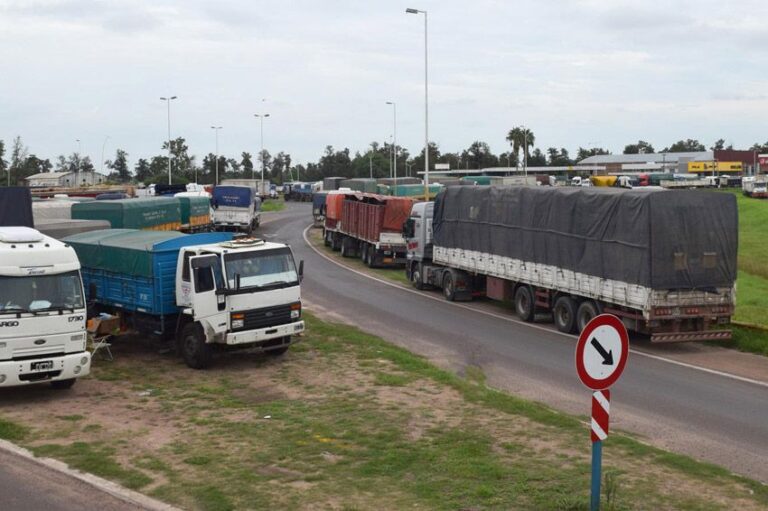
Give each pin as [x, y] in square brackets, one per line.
[666, 267]
[42, 308]
[16, 207]
[153, 214]
[236, 208]
[368, 226]
[205, 290]
[62, 228]
[195, 209]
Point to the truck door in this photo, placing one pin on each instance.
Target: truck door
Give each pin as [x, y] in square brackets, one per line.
[207, 298]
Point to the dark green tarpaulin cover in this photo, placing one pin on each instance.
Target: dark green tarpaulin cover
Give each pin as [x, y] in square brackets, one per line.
[131, 213]
[127, 251]
[679, 239]
[194, 206]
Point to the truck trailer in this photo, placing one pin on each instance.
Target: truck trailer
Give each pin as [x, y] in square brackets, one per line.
[367, 225]
[42, 311]
[667, 268]
[203, 290]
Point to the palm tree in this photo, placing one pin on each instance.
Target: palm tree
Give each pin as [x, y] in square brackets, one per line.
[519, 137]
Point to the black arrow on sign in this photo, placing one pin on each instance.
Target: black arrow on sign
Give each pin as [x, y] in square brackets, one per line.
[607, 355]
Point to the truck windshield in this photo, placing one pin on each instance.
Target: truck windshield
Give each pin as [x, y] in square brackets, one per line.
[265, 268]
[34, 293]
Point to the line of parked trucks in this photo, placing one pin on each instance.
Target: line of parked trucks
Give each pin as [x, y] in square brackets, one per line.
[665, 264]
[203, 291]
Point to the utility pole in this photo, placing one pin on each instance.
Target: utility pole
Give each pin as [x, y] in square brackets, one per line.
[168, 101]
[426, 102]
[216, 129]
[261, 121]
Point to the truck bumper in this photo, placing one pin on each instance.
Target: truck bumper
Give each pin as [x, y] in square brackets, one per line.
[21, 372]
[707, 335]
[262, 335]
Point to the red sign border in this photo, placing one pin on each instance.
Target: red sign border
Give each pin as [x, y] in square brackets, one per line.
[584, 336]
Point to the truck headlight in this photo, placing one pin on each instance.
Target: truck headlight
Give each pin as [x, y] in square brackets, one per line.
[296, 310]
[238, 321]
[83, 361]
[77, 369]
[2, 378]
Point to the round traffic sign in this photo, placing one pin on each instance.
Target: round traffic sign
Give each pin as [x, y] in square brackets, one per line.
[602, 351]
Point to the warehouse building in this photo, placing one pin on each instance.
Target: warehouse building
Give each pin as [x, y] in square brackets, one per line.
[675, 162]
[65, 179]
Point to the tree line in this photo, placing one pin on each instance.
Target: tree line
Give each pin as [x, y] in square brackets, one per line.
[19, 163]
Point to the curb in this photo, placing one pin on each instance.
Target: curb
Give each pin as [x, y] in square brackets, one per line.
[113, 489]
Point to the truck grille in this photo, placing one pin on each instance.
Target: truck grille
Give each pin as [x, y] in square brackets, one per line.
[266, 317]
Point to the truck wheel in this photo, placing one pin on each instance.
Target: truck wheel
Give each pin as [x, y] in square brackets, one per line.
[416, 276]
[371, 260]
[524, 304]
[327, 239]
[449, 289]
[564, 313]
[196, 352]
[335, 243]
[586, 311]
[63, 384]
[346, 250]
[364, 252]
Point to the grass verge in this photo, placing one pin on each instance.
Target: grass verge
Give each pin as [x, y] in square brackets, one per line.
[273, 205]
[345, 420]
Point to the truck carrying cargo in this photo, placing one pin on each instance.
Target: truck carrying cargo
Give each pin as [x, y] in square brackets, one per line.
[755, 186]
[332, 183]
[195, 212]
[318, 208]
[236, 208]
[260, 187]
[52, 209]
[16, 207]
[666, 267]
[367, 225]
[155, 214]
[360, 185]
[201, 289]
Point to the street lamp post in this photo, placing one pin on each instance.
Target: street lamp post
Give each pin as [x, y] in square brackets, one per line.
[103, 146]
[394, 158]
[79, 161]
[168, 101]
[216, 129]
[261, 121]
[426, 104]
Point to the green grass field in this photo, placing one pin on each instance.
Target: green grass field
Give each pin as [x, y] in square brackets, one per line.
[346, 421]
[273, 205]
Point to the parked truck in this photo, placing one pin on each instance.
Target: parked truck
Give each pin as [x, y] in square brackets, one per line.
[755, 186]
[236, 208]
[42, 310]
[367, 225]
[262, 188]
[154, 214]
[667, 268]
[204, 290]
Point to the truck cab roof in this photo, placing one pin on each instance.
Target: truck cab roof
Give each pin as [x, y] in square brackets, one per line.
[24, 250]
[239, 245]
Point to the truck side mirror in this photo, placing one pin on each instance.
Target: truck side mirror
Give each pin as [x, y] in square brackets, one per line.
[301, 270]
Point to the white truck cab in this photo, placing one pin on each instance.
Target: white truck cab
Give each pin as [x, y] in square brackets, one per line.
[244, 292]
[42, 311]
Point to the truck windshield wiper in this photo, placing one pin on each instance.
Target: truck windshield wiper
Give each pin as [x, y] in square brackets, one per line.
[275, 283]
[57, 307]
[17, 310]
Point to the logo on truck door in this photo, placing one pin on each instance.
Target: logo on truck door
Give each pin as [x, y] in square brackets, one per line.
[9, 323]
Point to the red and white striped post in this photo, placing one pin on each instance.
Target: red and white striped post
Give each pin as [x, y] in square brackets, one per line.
[601, 411]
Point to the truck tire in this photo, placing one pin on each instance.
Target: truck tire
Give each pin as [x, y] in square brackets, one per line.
[63, 384]
[371, 259]
[346, 247]
[449, 287]
[586, 311]
[196, 352]
[524, 304]
[417, 276]
[327, 238]
[564, 314]
[364, 252]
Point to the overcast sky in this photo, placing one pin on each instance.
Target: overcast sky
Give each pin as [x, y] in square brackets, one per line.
[579, 73]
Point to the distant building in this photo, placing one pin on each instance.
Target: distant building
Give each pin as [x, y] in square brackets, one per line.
[668, 162]
[65, 179]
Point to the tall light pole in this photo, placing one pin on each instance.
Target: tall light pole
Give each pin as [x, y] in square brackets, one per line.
[525, 150]
[79, 161]
[394, 159]
[168, 101]
[103, 146]
[261, 121]
[216, 129]
[426, 103]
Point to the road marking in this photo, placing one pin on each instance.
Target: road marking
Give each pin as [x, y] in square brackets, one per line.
[523, 323]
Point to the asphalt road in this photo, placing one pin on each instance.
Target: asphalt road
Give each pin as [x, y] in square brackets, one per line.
[28, 486]
[708, 416]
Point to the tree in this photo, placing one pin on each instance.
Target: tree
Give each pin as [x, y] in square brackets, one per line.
[509, 159]
[142, 170]
[19, 153]
[537, 158]
[4, 164]
[434, 157]
[335, 163]
[521, 137]
[719, 145]
[478, 155]
[182, 162]
[558, 158]
[120, 166]
[246, 163]
[642, 147]
[760, 148]
[681, 146]
[593, 151]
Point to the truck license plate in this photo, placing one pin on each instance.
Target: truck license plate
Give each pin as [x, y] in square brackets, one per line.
[44, 365]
